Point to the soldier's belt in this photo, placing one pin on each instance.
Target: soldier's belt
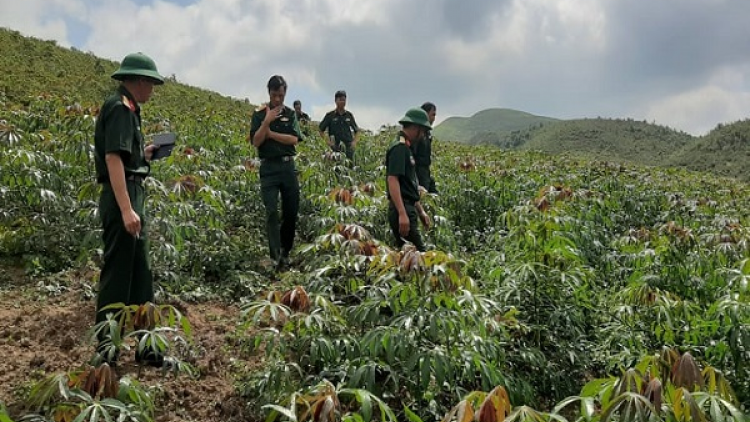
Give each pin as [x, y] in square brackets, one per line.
[282, 159]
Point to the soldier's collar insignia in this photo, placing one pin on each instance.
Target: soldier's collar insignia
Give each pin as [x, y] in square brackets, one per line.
[129, 104]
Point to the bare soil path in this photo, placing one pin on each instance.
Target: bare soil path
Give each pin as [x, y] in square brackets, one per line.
[43, 330]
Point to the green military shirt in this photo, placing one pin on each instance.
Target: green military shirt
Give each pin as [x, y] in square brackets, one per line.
[118, 130]
[340, 126]
[399, 161]
[286, 123]
[422, 150]
[303, 117]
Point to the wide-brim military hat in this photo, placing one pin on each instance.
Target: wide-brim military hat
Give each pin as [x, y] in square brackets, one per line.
[138, 64]
[416, 116]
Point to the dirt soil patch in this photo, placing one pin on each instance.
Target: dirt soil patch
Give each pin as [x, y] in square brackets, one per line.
[43, 331]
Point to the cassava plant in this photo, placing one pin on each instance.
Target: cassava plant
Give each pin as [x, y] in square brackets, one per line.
[328, 403]
[91, 394]
[667, 386]
[149, 329]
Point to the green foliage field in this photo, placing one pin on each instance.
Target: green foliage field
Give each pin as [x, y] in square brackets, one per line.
[560, 279]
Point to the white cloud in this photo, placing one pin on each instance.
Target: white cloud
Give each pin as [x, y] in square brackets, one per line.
[699, 110]
[536, 26]
[40, 18]
[560, 58]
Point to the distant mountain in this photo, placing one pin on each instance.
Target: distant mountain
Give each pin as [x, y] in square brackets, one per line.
[606, 139]
[724, 151]
[603, 139]
[487, 125]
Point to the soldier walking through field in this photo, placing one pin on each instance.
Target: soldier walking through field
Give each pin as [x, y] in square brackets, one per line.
[404, 208]
[302, 117]
[341, 127]
[275, 132]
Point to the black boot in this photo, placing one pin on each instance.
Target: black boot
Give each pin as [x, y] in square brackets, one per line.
[150, 358]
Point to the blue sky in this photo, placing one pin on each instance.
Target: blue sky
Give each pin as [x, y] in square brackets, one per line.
[681, 63]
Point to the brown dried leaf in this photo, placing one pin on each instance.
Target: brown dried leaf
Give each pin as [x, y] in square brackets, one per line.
[368, 188]
[542, 204]
[146, 317]
[352, 232]
[66, 413]
[465, 412]
[686, 373]
[653, 392]
[108, 382]
[300, 300]
[325, 410]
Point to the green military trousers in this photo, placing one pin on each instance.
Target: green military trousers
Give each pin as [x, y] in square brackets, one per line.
[413, 236]
[126, 274]
[279, 178]
[348, 149]
[425, 178]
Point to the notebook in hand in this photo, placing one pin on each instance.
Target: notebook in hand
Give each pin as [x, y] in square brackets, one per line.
[165, 142]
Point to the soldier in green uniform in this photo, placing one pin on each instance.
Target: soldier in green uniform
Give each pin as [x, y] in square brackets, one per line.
[275, 132]
[122, 165]
[422, 151]
[302, 117]
[341, 127]
[403, 189]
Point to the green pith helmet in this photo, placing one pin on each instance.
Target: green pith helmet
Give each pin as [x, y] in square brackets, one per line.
[416, 116]
[138, 64]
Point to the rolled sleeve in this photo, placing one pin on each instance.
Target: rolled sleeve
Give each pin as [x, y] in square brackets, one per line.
[353, 123]
[397, 161]
[119, 131]
[325, 123]
[255, 123]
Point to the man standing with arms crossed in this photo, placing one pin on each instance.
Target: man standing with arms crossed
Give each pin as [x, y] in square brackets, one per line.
[403, 188]
[122, 165]
[275, 132]
[341, 127]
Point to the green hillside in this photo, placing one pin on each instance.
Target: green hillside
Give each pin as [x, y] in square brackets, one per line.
[31, 67]
[487, 125]
[605, 139]
[724, 151]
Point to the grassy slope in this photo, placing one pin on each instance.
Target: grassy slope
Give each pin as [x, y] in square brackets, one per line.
[724, 151]
[494, 120]
[31, 67]
[609, 139]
